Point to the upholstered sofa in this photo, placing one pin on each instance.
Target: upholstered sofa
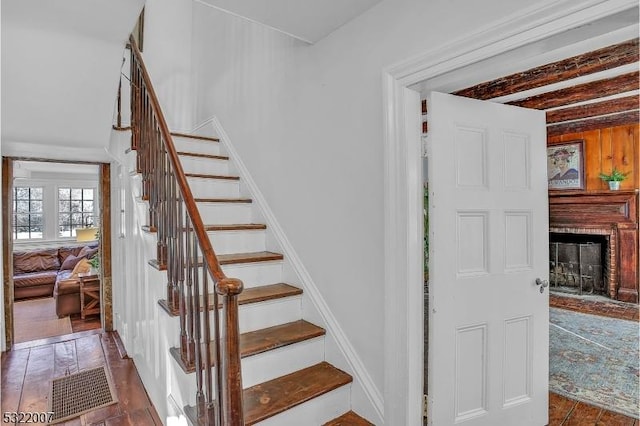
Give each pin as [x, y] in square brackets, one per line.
[48, 272]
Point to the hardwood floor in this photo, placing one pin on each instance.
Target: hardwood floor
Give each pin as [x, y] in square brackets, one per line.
[91, 322]
[567, 412]
[28, 368]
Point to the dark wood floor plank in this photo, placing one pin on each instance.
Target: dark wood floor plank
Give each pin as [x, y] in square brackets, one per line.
[140, 417]
[73, 422]
[26, 374]
[559, 408]
[101, 414]
[35, 391]
[64, 359]
[129, 388]
[89, 350]
[583, 415]
[91, 322]
[609, 418]
[14, 366]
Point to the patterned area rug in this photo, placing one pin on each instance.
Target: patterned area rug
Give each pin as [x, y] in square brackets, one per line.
[595, 360]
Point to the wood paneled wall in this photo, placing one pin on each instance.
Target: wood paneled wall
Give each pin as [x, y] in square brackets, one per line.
[607, 148]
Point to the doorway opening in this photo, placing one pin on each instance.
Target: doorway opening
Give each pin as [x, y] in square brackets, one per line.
[55, 248]
[438, 71]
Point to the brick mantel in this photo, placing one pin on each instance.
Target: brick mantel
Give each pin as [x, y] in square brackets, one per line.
[609, 213]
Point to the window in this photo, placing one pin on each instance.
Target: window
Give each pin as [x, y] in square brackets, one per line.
[27, 213]
[75, 210]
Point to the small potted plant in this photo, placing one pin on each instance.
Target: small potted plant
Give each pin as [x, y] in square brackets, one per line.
[614, 178]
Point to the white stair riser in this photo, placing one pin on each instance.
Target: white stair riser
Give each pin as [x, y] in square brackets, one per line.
[278, 362]
[245, 241]
[251, 274]
[253, 316]
[228, 242]
[256, 369]
[196, 145]
[214, 188]
[256, 316]
[255, 274]
[225, 213]
[136, 187]
[131, 161]
[209, 166]
[316, 411]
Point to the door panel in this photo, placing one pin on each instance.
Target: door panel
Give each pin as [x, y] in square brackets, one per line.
[488, 324]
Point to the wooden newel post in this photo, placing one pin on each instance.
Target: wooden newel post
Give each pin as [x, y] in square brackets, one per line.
[229, 289]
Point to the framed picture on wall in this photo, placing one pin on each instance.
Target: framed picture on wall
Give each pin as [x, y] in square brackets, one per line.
[565, 165]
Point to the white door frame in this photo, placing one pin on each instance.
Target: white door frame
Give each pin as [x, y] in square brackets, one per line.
[403, 180]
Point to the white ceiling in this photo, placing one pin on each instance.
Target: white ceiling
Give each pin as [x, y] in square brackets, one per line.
[307, 20]
[60, 70]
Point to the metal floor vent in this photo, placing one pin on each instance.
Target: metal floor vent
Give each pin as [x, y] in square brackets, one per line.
[75, 394]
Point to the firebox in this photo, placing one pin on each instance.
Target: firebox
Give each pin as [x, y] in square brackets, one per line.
[578, 263]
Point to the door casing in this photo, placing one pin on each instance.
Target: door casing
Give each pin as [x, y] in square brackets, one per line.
[106, 314]
[404, 328]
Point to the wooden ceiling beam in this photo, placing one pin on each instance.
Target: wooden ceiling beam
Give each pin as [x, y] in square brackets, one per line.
[582, 92]
[595, 109]
[576, 66]
[621, 119]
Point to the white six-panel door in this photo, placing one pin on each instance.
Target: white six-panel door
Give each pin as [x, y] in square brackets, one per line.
[488, 320]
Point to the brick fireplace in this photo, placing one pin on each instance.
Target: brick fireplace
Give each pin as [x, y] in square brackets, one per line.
[609, 217]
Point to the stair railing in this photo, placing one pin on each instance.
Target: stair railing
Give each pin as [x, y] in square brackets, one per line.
[184, 249]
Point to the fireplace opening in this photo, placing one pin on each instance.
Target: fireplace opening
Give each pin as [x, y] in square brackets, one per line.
[578, 263]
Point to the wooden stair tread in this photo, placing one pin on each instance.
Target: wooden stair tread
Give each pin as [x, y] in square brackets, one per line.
[203, 138]
[275, 396]
[206, 176]
[236, 227]
[233, 258]
[149, 229]
[249, 295]
[266, 339]
[227, 227]
[222, 200]
[258, 256]
[256, 342]
[199, 155]
[349, 419]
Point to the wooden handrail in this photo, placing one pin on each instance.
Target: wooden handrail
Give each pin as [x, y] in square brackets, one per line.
[192, 209]
[181, 235]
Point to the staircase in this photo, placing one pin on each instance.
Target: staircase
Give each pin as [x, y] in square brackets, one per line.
[284, 375]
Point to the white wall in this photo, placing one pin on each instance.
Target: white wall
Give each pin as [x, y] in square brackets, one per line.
[167, 55]
[307, 121]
